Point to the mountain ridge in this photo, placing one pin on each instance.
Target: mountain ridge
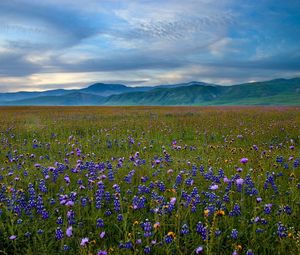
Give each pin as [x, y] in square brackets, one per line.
[272, 92]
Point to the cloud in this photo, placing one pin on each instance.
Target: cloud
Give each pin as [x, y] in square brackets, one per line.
[14, 64]
[151, 41]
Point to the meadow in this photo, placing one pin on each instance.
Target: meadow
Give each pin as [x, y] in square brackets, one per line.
[150, 180]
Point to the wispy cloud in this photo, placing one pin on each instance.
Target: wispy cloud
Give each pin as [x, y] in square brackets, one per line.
[152, 42]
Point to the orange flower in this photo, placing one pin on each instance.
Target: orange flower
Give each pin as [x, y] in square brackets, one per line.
[220, 213]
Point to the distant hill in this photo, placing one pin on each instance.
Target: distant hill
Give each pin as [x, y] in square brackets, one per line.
[273, 92]
[281, 91]
[71, 99]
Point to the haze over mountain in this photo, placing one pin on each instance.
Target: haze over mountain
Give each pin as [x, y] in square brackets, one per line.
[273, 92]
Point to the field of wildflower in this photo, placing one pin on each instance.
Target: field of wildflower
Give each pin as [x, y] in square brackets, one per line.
[149, 180]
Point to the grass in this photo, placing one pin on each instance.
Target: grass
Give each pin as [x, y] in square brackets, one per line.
[183, 152]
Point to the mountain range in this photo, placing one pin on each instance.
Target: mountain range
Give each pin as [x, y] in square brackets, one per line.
[273, 92]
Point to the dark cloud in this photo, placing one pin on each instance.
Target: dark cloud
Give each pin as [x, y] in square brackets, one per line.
[13, 64]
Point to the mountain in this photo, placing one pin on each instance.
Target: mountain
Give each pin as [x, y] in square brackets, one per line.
[280, 91]
[273, 92]
[198, 83]
[72, 99]
[13, 96]
[100, 89]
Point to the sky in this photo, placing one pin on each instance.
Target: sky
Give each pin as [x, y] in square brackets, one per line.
[48, 44]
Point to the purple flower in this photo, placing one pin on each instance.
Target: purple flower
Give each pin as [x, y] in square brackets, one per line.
[13, 237]
[239, 181]
[173, 201]
[69, 231]
[244, 160]
[102, 253]
[84, 241]
[102, 234]
[70, 203]
[214, 187]
[199, 250]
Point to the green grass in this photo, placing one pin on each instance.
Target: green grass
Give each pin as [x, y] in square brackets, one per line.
[210, 138]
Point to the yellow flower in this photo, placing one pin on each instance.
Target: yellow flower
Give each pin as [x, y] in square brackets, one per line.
[135, 223]
[220, 213]
[206, 212]
[238, 247]
[156, 225]
[170, 233]
[93, 242]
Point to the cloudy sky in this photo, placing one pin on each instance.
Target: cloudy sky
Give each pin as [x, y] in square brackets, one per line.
[46, 44]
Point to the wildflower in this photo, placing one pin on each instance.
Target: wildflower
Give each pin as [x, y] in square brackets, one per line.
[206, 212]
[202, 230]
[170, 233]
[156, 225]
[184, 229]
[199, 250]
[147, 227]
[147, 249]
[84, 241]
[70, 203]
[258, 199]
[214, 187]
[249, 252]
[102, 234]
[59, 234]
[220, 213]
[100, 223]
[239, 181]
[69, 232]
[173, 201]
[13, 237]
[234, 234]
[281, 230]
[268, 208]
[120, 217]
[244, 160]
